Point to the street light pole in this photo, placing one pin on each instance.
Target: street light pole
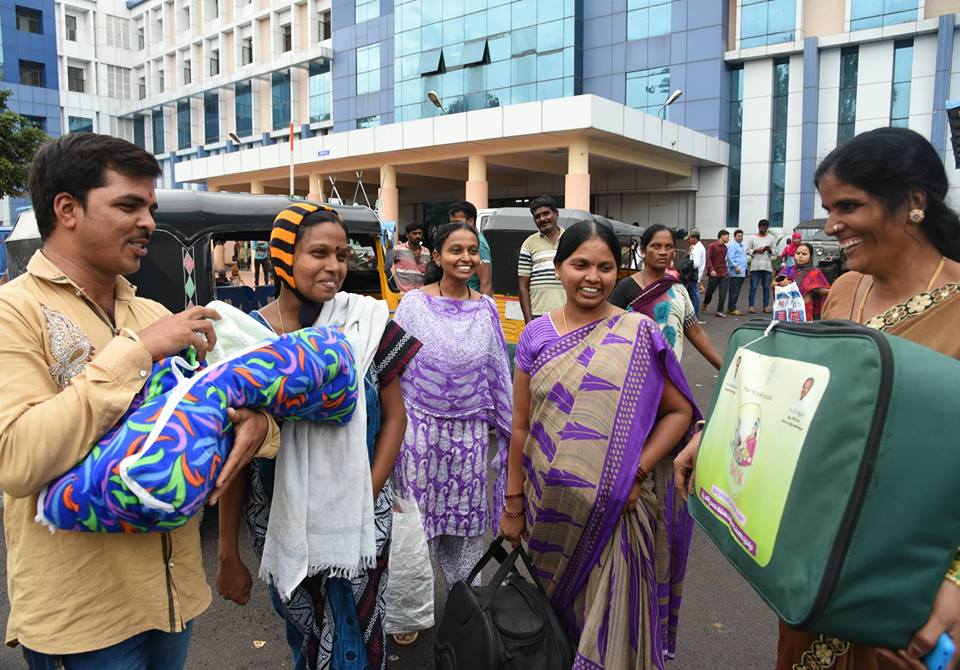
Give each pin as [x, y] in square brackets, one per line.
[437, 102]
[672, 99]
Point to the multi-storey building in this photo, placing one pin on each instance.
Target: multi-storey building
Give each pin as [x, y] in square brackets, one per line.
[28, 69]
[427, 101]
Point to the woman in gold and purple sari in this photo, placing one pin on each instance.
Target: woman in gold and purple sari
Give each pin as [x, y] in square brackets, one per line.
[599, 403]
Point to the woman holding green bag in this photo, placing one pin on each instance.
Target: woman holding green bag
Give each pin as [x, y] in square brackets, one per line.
[884, 193]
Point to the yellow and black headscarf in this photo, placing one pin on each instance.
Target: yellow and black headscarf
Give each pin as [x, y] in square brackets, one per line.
[283, 239]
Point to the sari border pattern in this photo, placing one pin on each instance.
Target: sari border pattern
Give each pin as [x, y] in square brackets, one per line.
[915, 306]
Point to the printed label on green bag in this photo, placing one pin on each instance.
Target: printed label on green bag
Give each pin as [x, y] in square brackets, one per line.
[752, 444]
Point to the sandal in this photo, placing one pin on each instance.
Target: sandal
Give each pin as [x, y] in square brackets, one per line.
[405, 639]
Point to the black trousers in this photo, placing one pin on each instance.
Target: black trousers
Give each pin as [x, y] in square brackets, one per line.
[264, 265]
[714, 284]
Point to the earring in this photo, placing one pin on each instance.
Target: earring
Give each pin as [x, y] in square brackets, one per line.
[916, 216]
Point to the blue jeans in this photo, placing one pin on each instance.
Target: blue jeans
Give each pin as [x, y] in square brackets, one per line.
[693, 288]
[758, 277]
[151, 650]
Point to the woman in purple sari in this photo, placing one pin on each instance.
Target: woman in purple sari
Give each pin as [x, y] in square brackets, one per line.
[599, 403]
[656, 292]
[456, 391]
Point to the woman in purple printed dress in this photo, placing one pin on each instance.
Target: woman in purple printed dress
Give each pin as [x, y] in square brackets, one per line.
[456, 390]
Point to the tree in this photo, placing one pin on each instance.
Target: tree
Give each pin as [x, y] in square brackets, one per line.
[19, 141]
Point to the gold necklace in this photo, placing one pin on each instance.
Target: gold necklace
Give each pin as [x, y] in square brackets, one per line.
[283, 328]
[563, 316]
[933, 280]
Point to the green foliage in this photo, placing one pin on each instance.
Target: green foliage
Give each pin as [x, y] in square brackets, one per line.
[19, 141]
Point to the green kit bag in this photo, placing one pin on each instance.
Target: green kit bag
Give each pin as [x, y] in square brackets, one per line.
[828, 475]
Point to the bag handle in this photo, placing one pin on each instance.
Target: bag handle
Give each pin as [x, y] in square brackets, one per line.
[506, 565]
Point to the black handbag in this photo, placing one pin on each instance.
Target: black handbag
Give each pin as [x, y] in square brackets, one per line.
[507, 625]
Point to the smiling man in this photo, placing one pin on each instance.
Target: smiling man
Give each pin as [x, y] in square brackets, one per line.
[540, 289]
[77, 347]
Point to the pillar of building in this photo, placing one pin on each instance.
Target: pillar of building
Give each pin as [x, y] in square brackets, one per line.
[389, 194]
[315, 189]
[478, 189]
[256, 187]
[577, 185]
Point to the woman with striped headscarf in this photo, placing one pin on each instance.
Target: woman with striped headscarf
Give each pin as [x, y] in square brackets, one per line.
[323, 541]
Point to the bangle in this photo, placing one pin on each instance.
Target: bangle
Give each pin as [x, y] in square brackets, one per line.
[953, 574]
[641, 473]
[511, 496]
[698, 426]
[513, 515]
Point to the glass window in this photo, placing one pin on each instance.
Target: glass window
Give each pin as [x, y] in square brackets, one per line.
[214, 62]
[900, 89]
[647, 18]
[847, 113]
[550, 66]
[647, 90]
[157, 118]
[475, 26]
[368, 121]
[475, 52]
[286, 38]
[778, 136]
[142, 88]
[246, 51]
[76, 79]
[735, 139]
[550, 36]
[325, 28]
[764, 22]
[498, 20]
[453, 31]
[320, 91]
[523, 70]
[31, 73]
[183, 124]
[280, 98]
[79, 124]
[367, 9]
[211, 117]
[187, 71]
[70, 24]
[523, 41]
[368, 69]
[523, 13]
[139, 131]
[876, 13]
[29, 20]
[243, 107]
[38, 122]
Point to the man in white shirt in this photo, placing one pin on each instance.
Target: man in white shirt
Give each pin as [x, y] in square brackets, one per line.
[759, 249]
[698, 254]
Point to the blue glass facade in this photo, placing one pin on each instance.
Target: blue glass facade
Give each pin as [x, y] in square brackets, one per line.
[183, 124]
[211, 117]
[321, 84]
[280, 99]
[876, 13]
[40, 103]
[482, 53]
[764, 22]
[900, 89]
[243, 108]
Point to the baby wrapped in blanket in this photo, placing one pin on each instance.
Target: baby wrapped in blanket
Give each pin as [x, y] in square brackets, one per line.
[158, 465]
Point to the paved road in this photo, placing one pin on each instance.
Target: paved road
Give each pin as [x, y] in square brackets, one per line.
[723, 624]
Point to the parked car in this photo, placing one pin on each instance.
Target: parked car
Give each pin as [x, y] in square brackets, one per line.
[826, 250]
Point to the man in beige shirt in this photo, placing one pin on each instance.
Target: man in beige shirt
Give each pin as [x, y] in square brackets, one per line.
[77, 346]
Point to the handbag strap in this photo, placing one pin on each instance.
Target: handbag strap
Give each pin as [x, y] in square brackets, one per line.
[506, 565]
[494, 551]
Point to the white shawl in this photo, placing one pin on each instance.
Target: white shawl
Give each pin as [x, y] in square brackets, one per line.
[321, 517]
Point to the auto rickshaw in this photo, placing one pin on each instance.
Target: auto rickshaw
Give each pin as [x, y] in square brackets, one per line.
[178, 271]
[505, 232]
